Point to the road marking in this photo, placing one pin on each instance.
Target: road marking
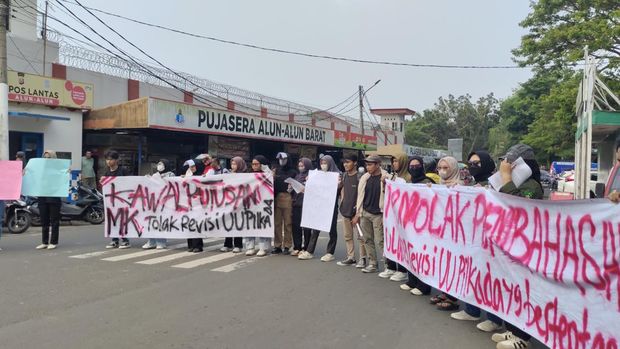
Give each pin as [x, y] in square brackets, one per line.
[207, 260]
[174, 256]
[237, 265]
[101, 253]
[90, 254]
[141, 253]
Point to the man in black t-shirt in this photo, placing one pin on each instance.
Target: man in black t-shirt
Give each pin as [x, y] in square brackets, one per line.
[114, 170]
[348, 184]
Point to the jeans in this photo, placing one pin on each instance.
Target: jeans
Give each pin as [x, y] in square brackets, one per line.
[372, 227]
[237, 242]
[475, 312]
[263, 243]
[50, 217]
[333, 235]
[157, 242]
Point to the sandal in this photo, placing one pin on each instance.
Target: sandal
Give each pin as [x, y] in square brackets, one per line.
[447, 305]
[438, 298]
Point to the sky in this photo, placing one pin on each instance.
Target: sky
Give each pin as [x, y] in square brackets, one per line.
[475, 32]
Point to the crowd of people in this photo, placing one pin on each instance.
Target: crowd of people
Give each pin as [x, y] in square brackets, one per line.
[359, 202]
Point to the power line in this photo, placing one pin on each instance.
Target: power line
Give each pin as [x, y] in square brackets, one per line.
[23, 56]
[297, 53]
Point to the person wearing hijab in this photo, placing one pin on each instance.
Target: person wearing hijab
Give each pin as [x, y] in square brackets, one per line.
[418, 176]
[481, 167]
[49, 209]
[393, 270]
[164, 170]
[237, 165]
[431, 170]
[259, 164]
[193, 245]
[304, 166]
[327, 165]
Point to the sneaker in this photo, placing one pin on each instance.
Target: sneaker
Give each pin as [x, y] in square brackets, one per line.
[347, 262]
[161, 247]
[148, 246]
[328, 257]
[51, 247]
[224, 249]
[261, 253]
[286, 251]
[387, 273]
[112, 244]
[124, 245]
[305, 256]
[399, 277]
[236, 250]
[488, 326]
[361, 263]
[416, 292]
[42, 247]
[250, 252]
[463, 316]
[514, 343]
[405, 287]
[295, 253]
[276, 250]
[197, 250]
[370, 269]
[501, 337]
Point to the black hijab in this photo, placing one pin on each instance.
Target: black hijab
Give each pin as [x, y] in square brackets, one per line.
[418, 175]
[486, 169]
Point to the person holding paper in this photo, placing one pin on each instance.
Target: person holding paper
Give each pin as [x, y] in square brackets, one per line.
[283, 215]
[237, 165]
[114, 170]
[164, 170]
[328, 165]
[304, 166]
[49, 209]
[348, 193]
[393, 270]
[259, 164]
[370, 197]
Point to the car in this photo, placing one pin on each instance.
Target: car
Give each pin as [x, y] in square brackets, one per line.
[566, 183]
[546, 179]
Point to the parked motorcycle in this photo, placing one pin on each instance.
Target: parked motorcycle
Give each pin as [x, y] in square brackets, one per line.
[88, 207]
[17, 216]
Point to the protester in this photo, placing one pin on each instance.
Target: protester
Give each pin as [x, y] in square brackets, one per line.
[418, 176]
[114, 170]
[481, 167]
[259, 164]
[21, 156]
[164, 170]
[393, 270]
[206, 161]
[348, 194]
[283, 234]
[88, 170]
[327, 165]
[514, 337]
[614, 196]
[431, 170]
[237, 165]
[193, 245]
[299, 243]
[191, 168]
[49, 211]
[369, 213]
[216, 168]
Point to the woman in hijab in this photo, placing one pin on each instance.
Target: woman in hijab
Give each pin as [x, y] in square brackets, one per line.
[237, 165]
[49, 210]
[259, 164]
[164, 169]
[328, 165]
[304, 166]
[481, 167]
[393, 270]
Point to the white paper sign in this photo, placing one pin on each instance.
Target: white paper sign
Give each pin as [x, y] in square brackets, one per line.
[520, 173]
[319, 200]
[297, 187]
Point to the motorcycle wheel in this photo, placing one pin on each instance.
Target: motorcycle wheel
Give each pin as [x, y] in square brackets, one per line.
[94, 215]
[19, 223]
[35, 220]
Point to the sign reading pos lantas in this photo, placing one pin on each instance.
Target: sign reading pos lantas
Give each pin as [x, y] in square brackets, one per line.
[187, 117]
[36, 89]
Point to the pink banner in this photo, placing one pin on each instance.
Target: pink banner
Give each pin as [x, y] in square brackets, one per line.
[10, 180]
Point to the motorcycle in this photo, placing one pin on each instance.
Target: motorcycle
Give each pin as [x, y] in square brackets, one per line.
[88, 207]
[17, 216]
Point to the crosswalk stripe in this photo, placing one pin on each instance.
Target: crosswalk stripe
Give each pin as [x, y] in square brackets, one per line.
[207, 260]
[207, 241]
[125, 257]
[90, 254]
[237, 265]
[174, 256]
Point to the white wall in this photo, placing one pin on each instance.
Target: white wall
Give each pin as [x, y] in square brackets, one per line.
[32, 60]
[148, 90]
[58, 135]
[108, 90]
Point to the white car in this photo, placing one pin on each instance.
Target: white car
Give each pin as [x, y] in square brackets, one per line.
[566, 182]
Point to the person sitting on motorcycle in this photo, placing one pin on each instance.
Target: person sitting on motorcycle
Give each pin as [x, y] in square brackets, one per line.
[164, 169]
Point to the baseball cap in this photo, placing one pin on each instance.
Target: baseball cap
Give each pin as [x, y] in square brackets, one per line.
[519, 151]
[282, 155]
[374, 158]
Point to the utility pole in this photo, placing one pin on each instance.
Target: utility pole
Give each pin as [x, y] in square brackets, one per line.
[44, 35]
[4, 87]
[361, 92]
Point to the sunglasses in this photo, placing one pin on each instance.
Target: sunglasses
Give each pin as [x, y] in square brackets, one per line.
[474, 163]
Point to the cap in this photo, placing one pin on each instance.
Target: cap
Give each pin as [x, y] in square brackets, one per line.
[350, 157]
[520, 151]
[203, 156]
[374, 158]
[189, 163]
[20, 154]
[282, 155]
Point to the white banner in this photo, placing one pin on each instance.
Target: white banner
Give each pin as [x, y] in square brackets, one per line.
[319, 200]
[193, 207]
[550, 268]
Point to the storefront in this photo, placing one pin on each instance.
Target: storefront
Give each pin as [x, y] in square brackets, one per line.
[148, 129]
[46, 113]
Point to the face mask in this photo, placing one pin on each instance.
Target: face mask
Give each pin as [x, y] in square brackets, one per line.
[443, 174]
[301, 168]
[282, 162]
[324, 167]
[475, 170]
[416, 172]
[160, 167]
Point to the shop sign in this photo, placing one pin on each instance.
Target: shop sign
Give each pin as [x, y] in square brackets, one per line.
[36, 89]
[355, 141]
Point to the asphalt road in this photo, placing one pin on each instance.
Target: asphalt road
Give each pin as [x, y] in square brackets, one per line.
[83, 296]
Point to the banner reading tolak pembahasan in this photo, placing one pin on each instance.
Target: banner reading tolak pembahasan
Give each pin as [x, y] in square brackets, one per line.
[550, 268]
[192, 207]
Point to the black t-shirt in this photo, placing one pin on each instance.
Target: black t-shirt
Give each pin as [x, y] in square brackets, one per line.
[349, 192]
[119, 172]
[372, 195]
